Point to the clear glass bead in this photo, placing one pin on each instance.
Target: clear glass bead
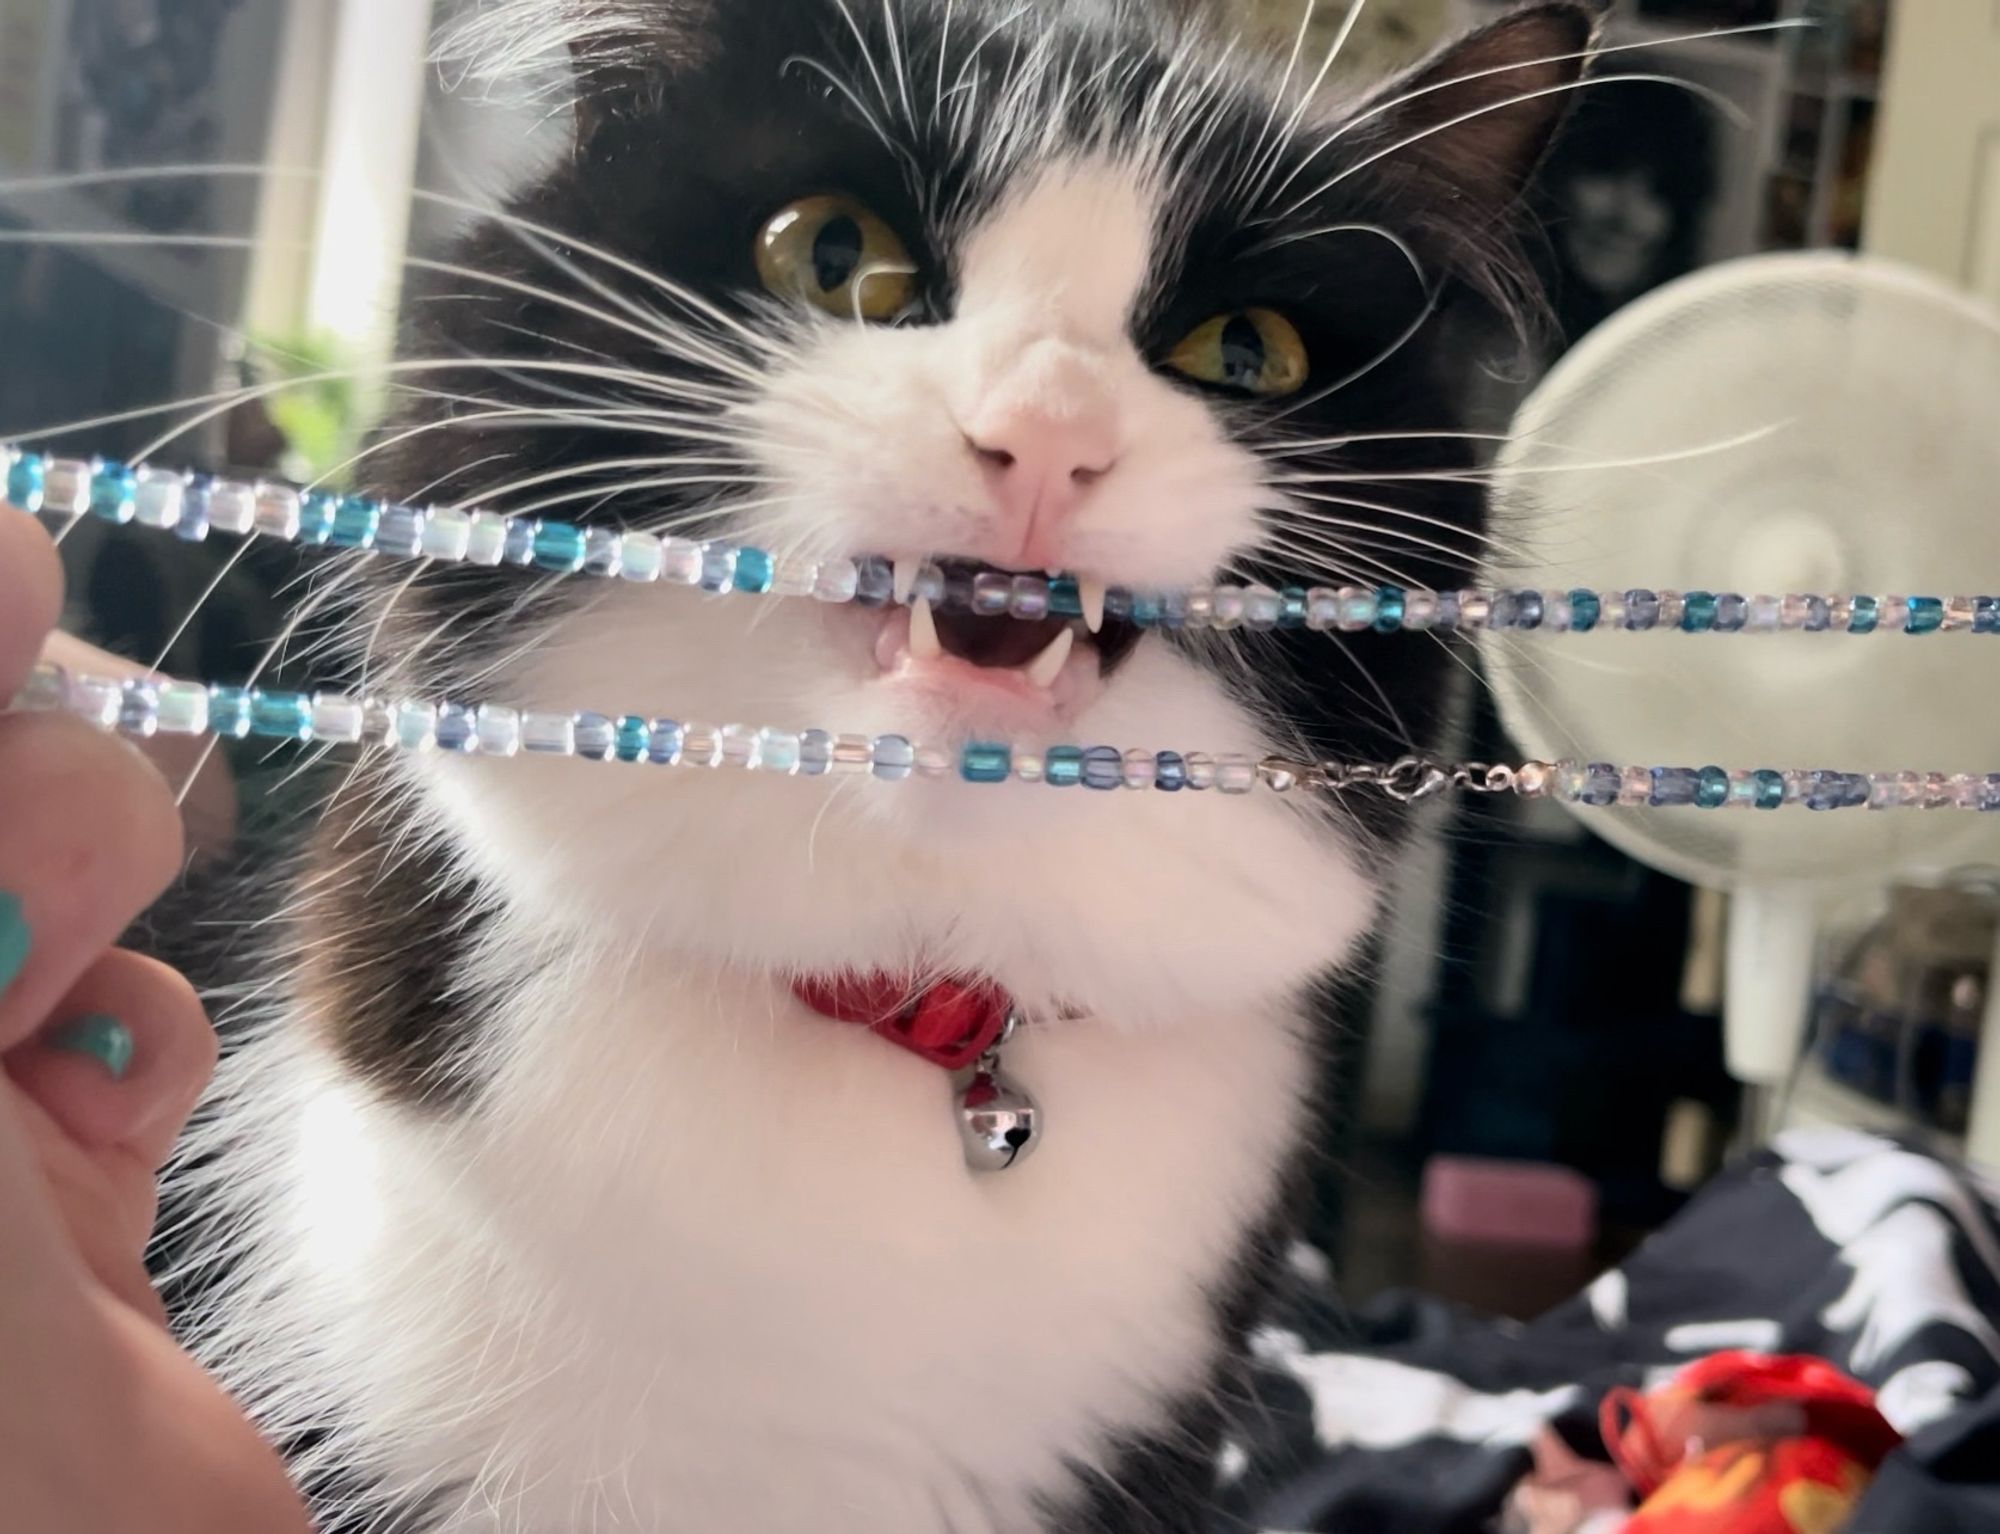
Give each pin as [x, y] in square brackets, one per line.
[1958, 613]
[447, 535]
[1474, 609]
[1322, 609]
[66, 486]
[1894, 613]
[1673, 607]
[1262, 607]
[1228, 612]
[1635, 786]
[158, 497]
[336, 720]
[893, 758]
[853, 754]
[1570, 778]
[1839, 613]
[1201, 770]
[549, 734]
[740, 747]
[1200, 607]
[486, 541]
[1556, 611]
[183, 708]
[839, 580]
[795, 577]
[1235, 774]
[378, 721]
[701, 746]
[1763, 615]
[499, 731]
[1793, 611]
[278, 512]
[1885, 791]
[1030, 766]
[96, 699]
[1535, 780]
[777, 752]
[603, 553]
[815, 754]
[1937, 791]
[1420, 609]
[139, 708]
[416, 726]
[1142, 769]
[933, 762]
[1966, 790]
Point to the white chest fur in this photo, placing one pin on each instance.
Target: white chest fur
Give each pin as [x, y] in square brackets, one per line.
[678, 1275]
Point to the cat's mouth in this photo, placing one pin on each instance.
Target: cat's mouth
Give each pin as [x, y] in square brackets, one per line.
[1055, 659]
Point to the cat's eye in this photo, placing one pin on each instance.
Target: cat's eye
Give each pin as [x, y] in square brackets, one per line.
[836, 254]
[1253, 351]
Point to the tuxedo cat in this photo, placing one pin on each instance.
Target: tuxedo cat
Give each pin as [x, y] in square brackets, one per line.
[543, 1196]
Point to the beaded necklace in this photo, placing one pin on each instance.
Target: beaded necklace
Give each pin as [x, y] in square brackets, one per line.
[193, 506]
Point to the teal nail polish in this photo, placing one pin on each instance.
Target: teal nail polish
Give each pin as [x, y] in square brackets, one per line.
[14, 939]
[104, 1039]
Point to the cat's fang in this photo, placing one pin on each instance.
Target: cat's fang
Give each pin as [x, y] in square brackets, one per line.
[924, 644]
[1046, 667]
[905, 579]
[1091, 593]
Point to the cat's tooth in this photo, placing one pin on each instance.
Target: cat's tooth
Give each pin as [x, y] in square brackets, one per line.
[907, 570]
[1092, 595]
[923, 631]
[1047, 666]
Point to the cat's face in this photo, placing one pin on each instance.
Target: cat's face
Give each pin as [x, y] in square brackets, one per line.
[1061, 288]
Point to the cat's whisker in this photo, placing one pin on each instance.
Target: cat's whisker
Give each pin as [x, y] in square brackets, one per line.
[1386, 509]
[1259, 191]
[1408, 334]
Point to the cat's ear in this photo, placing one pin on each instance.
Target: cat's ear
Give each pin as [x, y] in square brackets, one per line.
[1475, 119]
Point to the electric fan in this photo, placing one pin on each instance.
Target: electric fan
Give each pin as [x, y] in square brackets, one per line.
[1788, 423]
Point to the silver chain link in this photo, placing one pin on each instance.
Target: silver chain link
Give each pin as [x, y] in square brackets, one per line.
[1408, 780]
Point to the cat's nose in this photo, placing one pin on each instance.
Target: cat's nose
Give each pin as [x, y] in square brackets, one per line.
[1039, 465]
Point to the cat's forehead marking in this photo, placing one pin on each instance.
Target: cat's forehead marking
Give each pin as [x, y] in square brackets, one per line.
[1073, 244]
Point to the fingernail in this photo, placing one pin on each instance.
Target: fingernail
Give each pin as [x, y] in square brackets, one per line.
[104, 1039]
[14, 939]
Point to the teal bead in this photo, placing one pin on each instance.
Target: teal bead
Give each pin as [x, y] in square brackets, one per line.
[280, 716]
[755, 570]
[1770, 788]
[634, 737]
[986, 763]
[1065, 597]
[1711, 788]
[114, 493]
[1865, 613]
[1292, 615]
[229, 712]
[1146, 609]
[1926, 615]
[1065, 767]
[558, 547]
[1389, 609]
[318, 511]
[27, 482]
[1698, 612]
[355, 523]
[1584, 611]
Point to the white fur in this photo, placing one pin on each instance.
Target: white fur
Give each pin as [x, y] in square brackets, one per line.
[700, 1261]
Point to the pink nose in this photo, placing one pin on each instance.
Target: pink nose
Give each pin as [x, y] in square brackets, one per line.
[1040, 466]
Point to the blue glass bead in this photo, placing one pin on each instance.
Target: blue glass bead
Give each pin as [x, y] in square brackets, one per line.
[1600, 786]
[1835, 790]
[1448, 611]
[1118, 603]
[1865, 615]
[1673, 787]
[1711, 788]
[629, 741]
[1770, 788]
[457, 728]
[400, 531]
[558, 547]
[1731, 613]
[355, 521]
[664, 740]
[958, 589]
[27, 482]
[1146, 609]
[929, 585]
[139, 708]
[1292, 608]
[1819, 616]
[1985, 615]
[1988, 799]
[815, 754]
[1584, 611]
[192, 525]
[1170, 772]
[317, 511]
[114, 492]
[517, 545]
[1065, 597]
[596, 737]
[895, 758]
[986, 763]
[1065, 767]
[279, 715]
[1029, 598]
[876, 586]
[1173, 609]
[229, 712]
[755, 570]
[1642, 610]
[1103, 768]
[1926, 615]
[1390, 605]
[1698, 612]
[718, 569]
[604, 556]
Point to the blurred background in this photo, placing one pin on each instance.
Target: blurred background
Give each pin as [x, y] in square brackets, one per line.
[1542, 1000]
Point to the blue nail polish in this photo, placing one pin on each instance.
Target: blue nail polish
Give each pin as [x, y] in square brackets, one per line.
[14, 940]
[104, 1039]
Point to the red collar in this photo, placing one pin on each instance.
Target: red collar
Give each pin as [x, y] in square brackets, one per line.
[950, 1023]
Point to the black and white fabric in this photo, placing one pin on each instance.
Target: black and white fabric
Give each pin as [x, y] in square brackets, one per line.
[1413, 1418]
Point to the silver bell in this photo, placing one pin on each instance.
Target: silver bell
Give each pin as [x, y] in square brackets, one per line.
[998, 1122]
